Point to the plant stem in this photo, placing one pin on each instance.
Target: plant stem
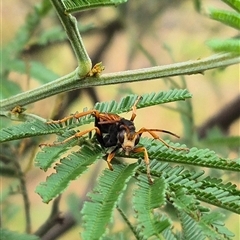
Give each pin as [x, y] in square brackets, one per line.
[72, 81]
[69, 23]
[24, 193]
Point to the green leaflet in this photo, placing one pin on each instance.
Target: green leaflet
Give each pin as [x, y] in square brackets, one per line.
[190, 228]
[183, 201]
[209, 190]
[45, 158]
[28, 129]
[97, 213]
[169, 234]
[36, 127]
[227, 45]
[81, 5]
[6, 234]
[146, 198]
[70, 168]
[231, 19]
[197, 157]
[234, 4]
[214, 228]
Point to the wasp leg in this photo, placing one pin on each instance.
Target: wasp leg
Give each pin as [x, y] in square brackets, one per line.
[77, 135]
[134, 108]
[76, 115]
[155, 136]
[110, 157]
[146, 159]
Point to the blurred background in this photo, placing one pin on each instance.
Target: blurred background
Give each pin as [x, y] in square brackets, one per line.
[134, 35]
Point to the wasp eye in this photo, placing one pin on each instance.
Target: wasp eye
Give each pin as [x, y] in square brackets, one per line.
[137, 139]
[121, 136]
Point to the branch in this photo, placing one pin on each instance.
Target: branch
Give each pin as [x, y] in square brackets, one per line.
[223, 119]
[53, 219]
[70, 26]
[24, 193]
[71, 81]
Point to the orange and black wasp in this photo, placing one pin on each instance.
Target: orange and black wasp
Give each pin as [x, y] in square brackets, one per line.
[113, 131]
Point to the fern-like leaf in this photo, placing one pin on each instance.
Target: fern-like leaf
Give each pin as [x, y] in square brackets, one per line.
[233, 4]
[146, 198]
[209, 190]
[6, 234]
[70, 168]
[81, 5]
[231, 19]
[197, 157]
[50, 154]
[168, 233]
[28, 129]
[185, 202]
[97, 213]
[227, 45]
[36, 127]
[190, 228]
[214, 228]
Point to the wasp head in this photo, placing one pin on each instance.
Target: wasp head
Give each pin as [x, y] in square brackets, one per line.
[127, 136]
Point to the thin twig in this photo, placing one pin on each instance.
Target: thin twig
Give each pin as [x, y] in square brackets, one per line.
[222, 119]
[24, 193]
[54, 218]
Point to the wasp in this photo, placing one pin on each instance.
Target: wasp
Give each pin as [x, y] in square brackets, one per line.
[113, 131]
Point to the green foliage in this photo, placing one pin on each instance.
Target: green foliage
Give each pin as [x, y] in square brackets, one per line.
[80, 5]
[146, 199]
[35, 126]
[97, 212]
[231, 19]
[184, 189]
[180, 189]
[191, 230]
[234, 4]
[69, 169]
[229, 45]
[6, 234]
[213, 227]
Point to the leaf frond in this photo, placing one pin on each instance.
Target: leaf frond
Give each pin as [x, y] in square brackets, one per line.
[81, 5]
[28, 129]
[146, 198]
[231, 19]
[191, 229]
[233, 4]
[213, 227]
[209, 190]
[70, 168]
[97, 212]
[50, 154]
[7, 234]
[227, 45]
[197, 157]
[36, 127]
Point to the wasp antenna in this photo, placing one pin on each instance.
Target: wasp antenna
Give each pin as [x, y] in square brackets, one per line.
[152, 130]
[173, 134]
